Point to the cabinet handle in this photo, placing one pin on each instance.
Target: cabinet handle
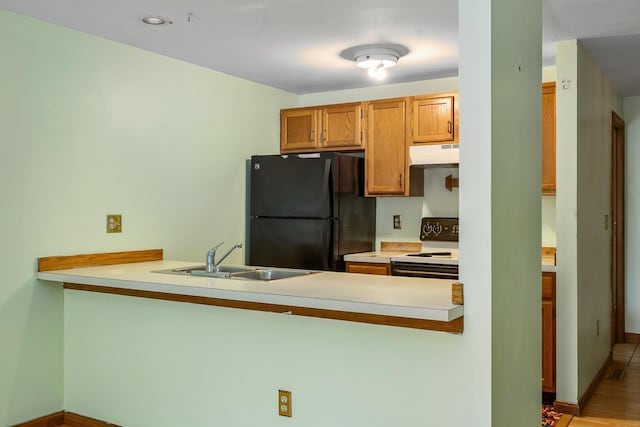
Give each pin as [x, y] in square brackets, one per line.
[450, 126]
[323, 135]
[310, 135]
[400, 180]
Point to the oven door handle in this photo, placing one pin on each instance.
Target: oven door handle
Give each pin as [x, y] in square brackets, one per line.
[423, 273]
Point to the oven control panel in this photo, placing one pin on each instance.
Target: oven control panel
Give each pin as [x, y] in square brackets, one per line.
[439, 229]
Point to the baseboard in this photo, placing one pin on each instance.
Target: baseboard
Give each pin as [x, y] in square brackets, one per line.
[632, 338]
[76, 420]
[586, 396]
[67, 418]
[576, 408]
[566, 408]
[51, 420]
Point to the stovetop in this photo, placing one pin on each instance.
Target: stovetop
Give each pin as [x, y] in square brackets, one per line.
[435, 253]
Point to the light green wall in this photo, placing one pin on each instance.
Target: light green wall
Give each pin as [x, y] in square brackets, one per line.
[597, 98]
[143, 363]
[515, 205]
[585, 99]
[632, 200]
[91, 127]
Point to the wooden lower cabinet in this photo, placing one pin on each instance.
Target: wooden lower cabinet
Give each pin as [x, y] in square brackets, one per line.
[382, 269]
[549, 332]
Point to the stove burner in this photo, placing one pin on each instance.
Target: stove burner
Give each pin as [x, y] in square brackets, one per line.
[432, 254]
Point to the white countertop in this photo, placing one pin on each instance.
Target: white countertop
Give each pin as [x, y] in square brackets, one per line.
[428, 299]
[385, 257]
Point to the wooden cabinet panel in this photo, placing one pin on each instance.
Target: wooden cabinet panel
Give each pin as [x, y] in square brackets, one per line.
[548, 332]
[327, 128]
[369, 268]
[298, 129]
[549, 138]
[434, 119]
[342, 127]
[385, 153]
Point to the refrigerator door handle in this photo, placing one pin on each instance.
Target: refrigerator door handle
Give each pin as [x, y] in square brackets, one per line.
[326, 248]
[326, 181]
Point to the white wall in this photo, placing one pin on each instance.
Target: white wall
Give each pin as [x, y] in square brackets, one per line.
[91, 127]
[632, 213]
[584, 99]
[597, 98]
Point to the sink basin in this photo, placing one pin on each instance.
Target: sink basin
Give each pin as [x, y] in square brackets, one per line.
[225, 271]
[268, 275]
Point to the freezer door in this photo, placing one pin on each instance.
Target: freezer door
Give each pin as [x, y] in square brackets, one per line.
[292, 186]
[291, 243]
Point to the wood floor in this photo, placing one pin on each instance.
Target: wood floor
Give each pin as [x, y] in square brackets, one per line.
[616, 403]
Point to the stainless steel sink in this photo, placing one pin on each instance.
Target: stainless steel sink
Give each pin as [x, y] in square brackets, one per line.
[235, 272]
[225, 271]
[268, 275]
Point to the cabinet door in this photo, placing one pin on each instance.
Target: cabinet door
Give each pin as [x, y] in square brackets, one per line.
[548, 333]
[342, 126]
[369, 268]
[385, 151]
[549, 138]
[298, 129]
[434, 119]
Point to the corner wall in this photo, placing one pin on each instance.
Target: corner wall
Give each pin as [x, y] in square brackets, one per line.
[585, 99]
[91, 127]
[632, 212]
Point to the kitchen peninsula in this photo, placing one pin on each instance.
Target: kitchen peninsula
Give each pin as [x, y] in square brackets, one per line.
[396, 301]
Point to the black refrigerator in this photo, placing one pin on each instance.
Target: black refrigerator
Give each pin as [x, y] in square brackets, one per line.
[308, 211]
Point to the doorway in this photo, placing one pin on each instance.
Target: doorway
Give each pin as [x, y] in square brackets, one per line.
[617, 230]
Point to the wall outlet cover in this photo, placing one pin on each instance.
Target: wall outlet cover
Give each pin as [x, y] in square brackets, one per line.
[114, 223]
[284, 403]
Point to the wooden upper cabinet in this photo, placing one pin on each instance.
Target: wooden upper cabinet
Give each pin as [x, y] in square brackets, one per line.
[386, 156]
[342, 127]
[549, 138]
[435, 119]
[326, 128]
[385, 153]
[298, 129]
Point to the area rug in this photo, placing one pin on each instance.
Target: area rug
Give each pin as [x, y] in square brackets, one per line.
[551, 418]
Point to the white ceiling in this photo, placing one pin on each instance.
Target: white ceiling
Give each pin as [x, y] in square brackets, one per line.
[295, 45]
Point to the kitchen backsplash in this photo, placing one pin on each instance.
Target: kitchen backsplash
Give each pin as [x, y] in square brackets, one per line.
[438, 201]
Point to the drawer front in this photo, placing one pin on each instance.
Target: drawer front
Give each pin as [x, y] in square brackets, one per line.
[368, 268]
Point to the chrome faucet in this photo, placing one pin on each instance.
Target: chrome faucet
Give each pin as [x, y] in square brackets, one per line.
[212, 265]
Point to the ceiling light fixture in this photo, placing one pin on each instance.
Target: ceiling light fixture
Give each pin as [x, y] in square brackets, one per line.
[376, 59]
[155, 20]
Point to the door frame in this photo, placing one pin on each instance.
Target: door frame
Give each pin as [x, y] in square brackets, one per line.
[617, 229]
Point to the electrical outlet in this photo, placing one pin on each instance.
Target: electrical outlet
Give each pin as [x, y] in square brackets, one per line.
[606, 222]
[114, 223]
[598, 327]
[284, 403]
[396, 222]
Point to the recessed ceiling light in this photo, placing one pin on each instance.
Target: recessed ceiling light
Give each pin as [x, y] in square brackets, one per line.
[155, 20]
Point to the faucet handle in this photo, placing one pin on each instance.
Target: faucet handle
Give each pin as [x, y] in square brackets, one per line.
[213, 249]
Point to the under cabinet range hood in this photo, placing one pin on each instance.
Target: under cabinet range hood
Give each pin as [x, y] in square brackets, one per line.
[434, 154]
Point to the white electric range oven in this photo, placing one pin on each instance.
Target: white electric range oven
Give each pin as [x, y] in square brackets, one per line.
[438, 258]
